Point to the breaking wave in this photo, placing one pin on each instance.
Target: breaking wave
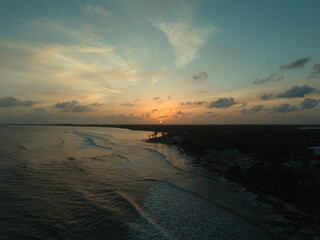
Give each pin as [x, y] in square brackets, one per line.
[182, 214]
[57, 185]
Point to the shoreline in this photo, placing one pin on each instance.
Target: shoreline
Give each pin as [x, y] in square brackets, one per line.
[297, 219]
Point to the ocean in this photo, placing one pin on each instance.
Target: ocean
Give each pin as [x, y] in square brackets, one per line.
[107, 183]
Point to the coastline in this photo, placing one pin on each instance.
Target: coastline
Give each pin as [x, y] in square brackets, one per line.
[286, 140]
[299, 222]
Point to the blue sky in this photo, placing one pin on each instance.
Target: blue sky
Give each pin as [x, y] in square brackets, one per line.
[150, 61]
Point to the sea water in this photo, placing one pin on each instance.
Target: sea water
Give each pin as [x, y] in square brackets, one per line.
[108, 183]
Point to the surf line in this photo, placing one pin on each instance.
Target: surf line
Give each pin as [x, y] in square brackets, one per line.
[144, 214]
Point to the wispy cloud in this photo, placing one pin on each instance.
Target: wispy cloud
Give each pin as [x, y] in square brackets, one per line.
[110, 89]
[253, 110]
[316, 68]
[314, 72]
[209, 115]
[180, 114]
[273, 77]
[39, 110]
[200, 77]
[309, 103]
[76, 107]
[283, 108]
[266, 96]
[89, 9]
[127, 104]
[185, 38]
[121, 118]
[89, 61]
[299, 63]
[194, 103]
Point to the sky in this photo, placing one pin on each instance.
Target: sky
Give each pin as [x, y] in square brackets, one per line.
[160, 61]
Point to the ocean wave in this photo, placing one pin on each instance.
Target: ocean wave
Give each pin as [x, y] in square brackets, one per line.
[155, 152]
[89, 143]
[149, 229]
[186, 215]
[95, 137]
[164, 157]
[53, 192]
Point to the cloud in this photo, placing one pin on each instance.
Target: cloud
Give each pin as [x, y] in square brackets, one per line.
[128, 104]
[185, 39]
[156, 98]
[243, 105]
[273, 77]
[223, 103]
[74, 106]
[316, 68]
[111, 89]
[309, 103]
[297, 92]
[293, 92]
[190, 103]
[88, 59]
[14, 102]
[299, 63]
[180, 114]
[207, 115]
[315, 71]
[266, 96]
[146, 115]
[252, 110]
[122, 118]
[39, 110]
[285, 108]
[27, 103]
[200, 77]
[89, 9]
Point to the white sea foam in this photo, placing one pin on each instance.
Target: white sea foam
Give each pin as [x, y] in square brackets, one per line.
[186, 215]
[67, 183]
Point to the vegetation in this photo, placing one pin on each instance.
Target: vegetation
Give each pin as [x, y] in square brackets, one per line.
[272, 146]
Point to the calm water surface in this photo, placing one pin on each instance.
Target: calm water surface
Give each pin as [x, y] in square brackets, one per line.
[106, 183]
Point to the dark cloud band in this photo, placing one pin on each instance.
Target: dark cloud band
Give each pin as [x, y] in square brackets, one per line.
[14, 102]
[223, 103]
[299, 63]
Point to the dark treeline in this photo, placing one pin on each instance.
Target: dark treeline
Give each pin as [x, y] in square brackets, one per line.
[271, 142]
[272, 145]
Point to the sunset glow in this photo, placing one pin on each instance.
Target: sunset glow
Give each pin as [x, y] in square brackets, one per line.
[155, 61]
[159, 119]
